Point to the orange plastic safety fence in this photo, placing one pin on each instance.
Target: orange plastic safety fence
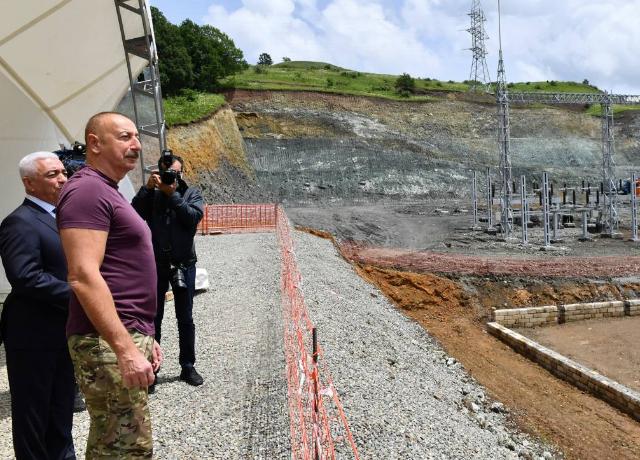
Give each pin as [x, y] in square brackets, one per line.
[319, 428]
[238, 218]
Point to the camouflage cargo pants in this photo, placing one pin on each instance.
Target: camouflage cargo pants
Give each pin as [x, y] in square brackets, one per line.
[120, 421]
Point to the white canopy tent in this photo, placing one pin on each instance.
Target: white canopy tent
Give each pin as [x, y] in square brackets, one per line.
[61, 61]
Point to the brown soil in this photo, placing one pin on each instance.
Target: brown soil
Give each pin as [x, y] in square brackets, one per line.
[583, 427]
[610, 346]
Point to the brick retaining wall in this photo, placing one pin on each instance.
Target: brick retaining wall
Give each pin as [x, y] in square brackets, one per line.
[593, 310]
[557, 314]
[526, 317]
[584, 378]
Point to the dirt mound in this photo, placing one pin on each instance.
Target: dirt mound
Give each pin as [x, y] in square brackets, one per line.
[438, 294]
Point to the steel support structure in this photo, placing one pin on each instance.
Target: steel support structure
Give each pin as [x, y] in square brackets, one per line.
[504, 140]
[479, 75]
[606, 100]
[545, 208]
[610, 197]
[504, 145]
[474, 197]
[149, 86]
[489, 202]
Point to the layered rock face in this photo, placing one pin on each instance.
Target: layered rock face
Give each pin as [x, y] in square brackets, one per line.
[308, 148]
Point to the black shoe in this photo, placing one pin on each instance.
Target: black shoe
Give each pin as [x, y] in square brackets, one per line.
[191, 376]
[78, 403]
[151, 389]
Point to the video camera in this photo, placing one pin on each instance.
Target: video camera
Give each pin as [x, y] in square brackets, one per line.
[168, 176]
[72, 159]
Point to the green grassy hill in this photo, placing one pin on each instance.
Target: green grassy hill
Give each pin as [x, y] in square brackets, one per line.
[321, 76]
[325, 77]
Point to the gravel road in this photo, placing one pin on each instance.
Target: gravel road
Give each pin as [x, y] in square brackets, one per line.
[404, 397]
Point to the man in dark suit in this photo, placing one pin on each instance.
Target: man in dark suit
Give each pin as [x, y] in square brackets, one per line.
[33, 320]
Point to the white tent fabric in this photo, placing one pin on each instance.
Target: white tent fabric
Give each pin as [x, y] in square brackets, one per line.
[61, 61]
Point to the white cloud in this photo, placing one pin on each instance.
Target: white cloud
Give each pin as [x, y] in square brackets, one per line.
[542, 39]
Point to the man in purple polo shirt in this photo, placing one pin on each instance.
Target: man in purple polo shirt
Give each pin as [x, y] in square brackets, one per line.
[113, 303]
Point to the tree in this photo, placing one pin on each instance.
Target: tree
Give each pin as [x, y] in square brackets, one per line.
[213, 54]
[265, 59]
[405, 84]
[176, 69]
[286, 59]
[193, 56]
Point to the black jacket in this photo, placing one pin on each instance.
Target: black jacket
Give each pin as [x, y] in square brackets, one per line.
[35, 312]
[173, 221]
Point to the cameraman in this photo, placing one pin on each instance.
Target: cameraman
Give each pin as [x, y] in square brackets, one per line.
[172, 210]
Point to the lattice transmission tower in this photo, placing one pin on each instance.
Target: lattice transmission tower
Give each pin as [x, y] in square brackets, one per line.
[504, 139]
[479, 75]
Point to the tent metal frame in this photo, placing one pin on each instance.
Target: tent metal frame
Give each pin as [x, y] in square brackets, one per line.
[143, 47]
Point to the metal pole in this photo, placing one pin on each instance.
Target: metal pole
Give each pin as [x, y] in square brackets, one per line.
[585, 236]
[545, 208]
[474, 196]
[523, 209]
[489, 202]
[634, 209]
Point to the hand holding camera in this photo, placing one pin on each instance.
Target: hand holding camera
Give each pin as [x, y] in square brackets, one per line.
[166, 179]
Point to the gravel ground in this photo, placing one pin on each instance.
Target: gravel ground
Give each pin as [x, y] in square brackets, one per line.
[403, 396]
[241, 410]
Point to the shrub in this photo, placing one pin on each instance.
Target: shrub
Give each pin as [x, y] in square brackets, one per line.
[265, 59]
[405, 83]
[260, 69]
[189, 94]
[553, 83]
[330, 83]
[585, 82]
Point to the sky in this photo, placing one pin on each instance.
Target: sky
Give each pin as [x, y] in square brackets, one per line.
[598, 40]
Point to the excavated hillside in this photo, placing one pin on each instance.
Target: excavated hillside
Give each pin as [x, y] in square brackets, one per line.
[303, 148]
[215, 158]
[310, 148]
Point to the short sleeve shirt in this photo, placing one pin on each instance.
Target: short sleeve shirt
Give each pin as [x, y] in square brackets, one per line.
[90, 200]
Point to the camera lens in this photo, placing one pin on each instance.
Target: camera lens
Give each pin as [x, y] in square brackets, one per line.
[168, 177]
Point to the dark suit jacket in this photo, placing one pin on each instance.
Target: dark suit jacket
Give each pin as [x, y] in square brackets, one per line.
[35, 312]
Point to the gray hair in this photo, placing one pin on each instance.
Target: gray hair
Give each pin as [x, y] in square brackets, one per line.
[27, 165]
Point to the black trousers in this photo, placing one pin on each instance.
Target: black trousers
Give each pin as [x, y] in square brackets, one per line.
[42, 389]
[183, 301]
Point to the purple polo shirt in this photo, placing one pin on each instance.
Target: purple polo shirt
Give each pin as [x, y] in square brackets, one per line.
[91, 200]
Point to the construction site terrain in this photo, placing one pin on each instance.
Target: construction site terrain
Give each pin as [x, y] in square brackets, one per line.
[390, 183]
